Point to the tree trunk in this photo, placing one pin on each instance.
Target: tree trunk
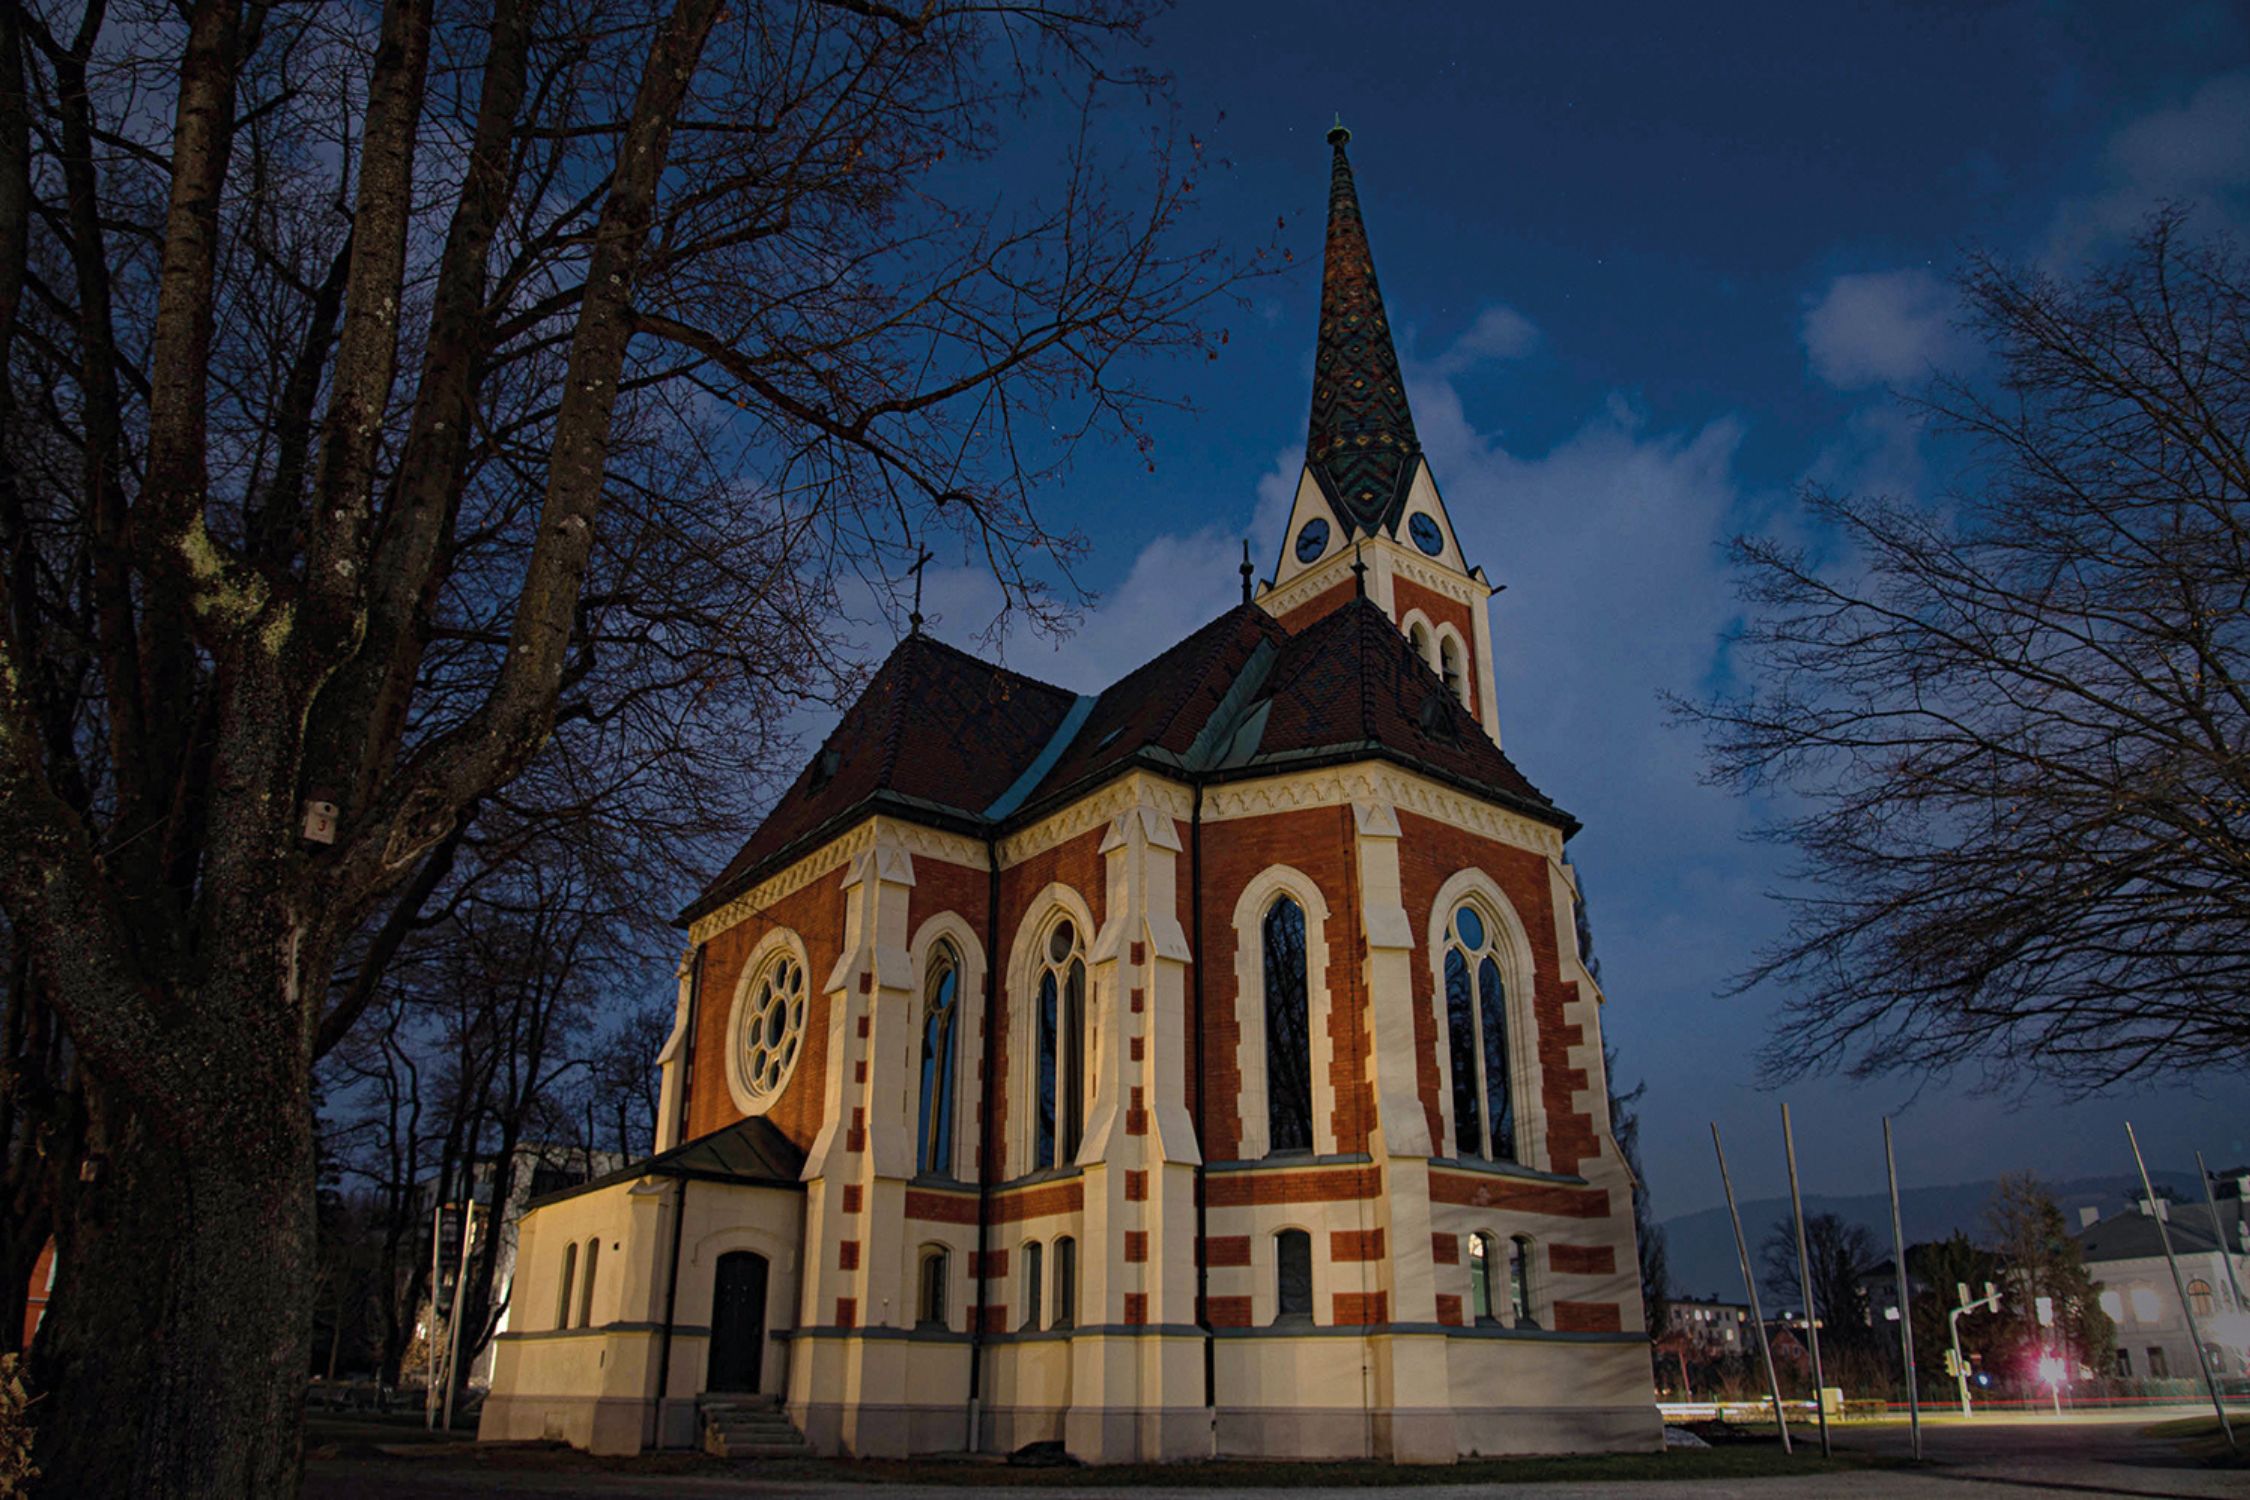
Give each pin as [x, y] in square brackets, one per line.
[174, 1329]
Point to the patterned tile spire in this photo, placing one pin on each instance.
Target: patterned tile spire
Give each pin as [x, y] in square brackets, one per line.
[1362, 445]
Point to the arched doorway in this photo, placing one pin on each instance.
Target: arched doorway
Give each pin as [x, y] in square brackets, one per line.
[738, 1321]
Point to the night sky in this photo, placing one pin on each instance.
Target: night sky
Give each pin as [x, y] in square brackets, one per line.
[1651, 268]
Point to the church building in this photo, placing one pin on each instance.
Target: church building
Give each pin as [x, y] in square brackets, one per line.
[1205, 1067]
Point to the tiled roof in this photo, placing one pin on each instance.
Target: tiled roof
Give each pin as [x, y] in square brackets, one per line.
[1352, 681]
[751, 1151]
[1164, 704]
[943, 736]
[1361, 444]
[2132, 1235]
[936, 728]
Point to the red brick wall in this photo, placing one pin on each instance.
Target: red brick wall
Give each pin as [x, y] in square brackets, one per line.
[816, 915]
[1313, 1185]
[1587, 1317]
[1319, 606]
[1408, 596]
[1556, 1198]
[1583, 1260]
[1319, 843]
[1431, 853]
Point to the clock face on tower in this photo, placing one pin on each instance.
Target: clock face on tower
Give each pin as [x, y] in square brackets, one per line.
[1312, 540]
[1426, 533]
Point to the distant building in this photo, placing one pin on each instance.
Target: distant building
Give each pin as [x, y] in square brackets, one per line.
[1709, 1325]
[540, 1169]
[35, 1298]
[2126, 1256]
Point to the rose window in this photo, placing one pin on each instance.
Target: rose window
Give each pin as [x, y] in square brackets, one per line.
[773, 1025]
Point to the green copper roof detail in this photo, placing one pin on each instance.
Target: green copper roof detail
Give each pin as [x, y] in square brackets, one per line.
[1361, 446]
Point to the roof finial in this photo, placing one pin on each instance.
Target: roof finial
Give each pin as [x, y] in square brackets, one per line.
[914, 620]
[1359, 569]
[1337, 134]
[1247, 571]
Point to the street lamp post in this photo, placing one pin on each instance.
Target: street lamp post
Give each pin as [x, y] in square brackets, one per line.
[1991, 1300]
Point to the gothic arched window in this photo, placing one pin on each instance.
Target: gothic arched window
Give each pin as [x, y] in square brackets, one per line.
[1034, 1290]
[1418, 635]
[1476, 1021]
[1480, 1280]
[1292, 1273]
[570, 1271]
[1066, 1284]
[929, 1300]
[586, 1297]
[940, 1014]
[1289, 1110]
[1519, 1283]
[1449, 666]
[2199, 1297]
[1061, 1082]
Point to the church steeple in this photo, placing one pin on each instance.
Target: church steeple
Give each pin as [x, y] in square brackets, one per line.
[1361, 447]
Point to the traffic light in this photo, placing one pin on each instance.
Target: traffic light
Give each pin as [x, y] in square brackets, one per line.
[1952, 1363]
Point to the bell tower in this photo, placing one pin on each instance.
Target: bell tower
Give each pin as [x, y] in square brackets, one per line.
[1368, 517]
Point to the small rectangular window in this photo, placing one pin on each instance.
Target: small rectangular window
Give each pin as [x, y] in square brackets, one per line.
[1066, 1284]
[1034, 1269]
[930, 1313]
[1293, 1277]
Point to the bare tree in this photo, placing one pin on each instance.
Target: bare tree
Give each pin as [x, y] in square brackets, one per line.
[1840, 1252]
[366, 363]
[2009, 738]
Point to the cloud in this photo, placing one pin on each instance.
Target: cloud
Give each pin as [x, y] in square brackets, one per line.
[1498, 333]
[2195, 153]
[1880, 328]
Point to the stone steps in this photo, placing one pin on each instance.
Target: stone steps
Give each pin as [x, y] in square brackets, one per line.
[752, 1427]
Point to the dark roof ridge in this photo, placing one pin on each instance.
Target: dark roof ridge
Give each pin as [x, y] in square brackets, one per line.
[1213, 639]
[980, 662]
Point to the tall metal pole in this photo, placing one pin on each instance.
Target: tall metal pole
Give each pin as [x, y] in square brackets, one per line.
[460, 1291]
[2179, 1284]
[437, 1281]
[2226, 1251]
[1804, 1280]
[1750, 1284]
[1905, 1299]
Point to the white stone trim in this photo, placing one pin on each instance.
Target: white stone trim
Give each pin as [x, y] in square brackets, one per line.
[673, 1057]
[1250, 1007]
[1026, 954]
[1406, 624]
[1512, 945]
[914, 838]
[782, 941]
[1138, 789]
[968, 1036]
[1378, 781]
[1465, 660]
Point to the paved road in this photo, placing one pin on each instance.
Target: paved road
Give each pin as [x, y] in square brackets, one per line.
[1994, 1458]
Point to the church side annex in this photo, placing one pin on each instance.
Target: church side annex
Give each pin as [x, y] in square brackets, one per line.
[1205, 1067]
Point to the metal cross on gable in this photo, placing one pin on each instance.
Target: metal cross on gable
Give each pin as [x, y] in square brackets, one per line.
[915, 619]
